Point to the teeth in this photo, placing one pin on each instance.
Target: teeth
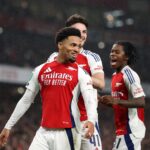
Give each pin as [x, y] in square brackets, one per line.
[113, 63]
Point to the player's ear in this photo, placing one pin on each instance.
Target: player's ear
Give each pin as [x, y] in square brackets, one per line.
[59, 45]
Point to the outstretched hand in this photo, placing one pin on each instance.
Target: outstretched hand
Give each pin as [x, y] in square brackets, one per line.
[4, 137]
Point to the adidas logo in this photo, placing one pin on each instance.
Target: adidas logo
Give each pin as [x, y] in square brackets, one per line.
[48, 70]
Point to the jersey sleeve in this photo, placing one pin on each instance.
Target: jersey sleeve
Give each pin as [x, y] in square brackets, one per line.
[52, 57]
[84, 80]
[87, 91]
[133, 84]
[95, 63]
[22, 106]
[33, 83]
[27, 99]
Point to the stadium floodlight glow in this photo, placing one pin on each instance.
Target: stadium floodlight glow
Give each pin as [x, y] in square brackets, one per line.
[117, 13]
[109, 17]
[114, 13]
[119, 23]
[112, 18]
[129, 21]
[109, 20]
[20, 90]
[101, 45]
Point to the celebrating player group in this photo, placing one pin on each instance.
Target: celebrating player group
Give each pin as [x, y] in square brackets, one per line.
[68, 83]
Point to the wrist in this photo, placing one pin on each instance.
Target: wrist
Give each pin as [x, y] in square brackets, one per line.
[117, 101]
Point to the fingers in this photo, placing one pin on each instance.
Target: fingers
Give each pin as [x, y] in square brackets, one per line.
[3, 144]
[88, 135]
[106, 100]
[4, 137]
[3, 141]
[89, 129]
[101, 99]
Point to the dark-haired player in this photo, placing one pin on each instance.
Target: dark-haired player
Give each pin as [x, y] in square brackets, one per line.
[127, 98]
[91, 62]
[60, 83]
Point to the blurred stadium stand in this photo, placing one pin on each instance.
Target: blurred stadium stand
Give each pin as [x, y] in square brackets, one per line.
[27, 30]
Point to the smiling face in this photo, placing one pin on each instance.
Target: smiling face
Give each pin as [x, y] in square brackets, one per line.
[69, 49]
[118, 59]
[83, 30]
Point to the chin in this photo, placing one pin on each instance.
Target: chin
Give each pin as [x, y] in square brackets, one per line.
[72, 60]
[113, 66]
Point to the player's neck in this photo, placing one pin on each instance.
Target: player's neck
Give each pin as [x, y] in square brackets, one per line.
[120, 68]
[62, 60]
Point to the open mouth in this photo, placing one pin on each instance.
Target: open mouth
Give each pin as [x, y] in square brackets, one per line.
[113, 61]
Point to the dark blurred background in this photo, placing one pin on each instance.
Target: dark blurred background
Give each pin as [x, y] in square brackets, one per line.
[27, 31]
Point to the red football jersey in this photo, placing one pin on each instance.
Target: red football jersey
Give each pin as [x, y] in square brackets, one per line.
[92, 64]
[57, 83]
[126, 86]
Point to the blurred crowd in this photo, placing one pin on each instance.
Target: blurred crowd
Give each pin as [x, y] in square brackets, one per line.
[27, 29]
[26, 49]
[23, 133]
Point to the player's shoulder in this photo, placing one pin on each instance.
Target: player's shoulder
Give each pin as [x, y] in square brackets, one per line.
[44, 65]
[88, 52]
[129, 74]
[52, 56]
[91, 55]
[127, 70]
[37, 69]
[39, 66]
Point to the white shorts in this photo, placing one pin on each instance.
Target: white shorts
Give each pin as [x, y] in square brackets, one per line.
[94, 143]
[56, 139]
[127, 142]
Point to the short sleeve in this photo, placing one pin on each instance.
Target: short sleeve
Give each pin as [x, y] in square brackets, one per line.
[95, 63]
[85, 80]
[52, 57]
[133, 83]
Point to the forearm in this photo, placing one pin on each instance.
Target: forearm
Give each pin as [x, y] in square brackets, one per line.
[132, 103]
[21, 107]
[90, 101]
